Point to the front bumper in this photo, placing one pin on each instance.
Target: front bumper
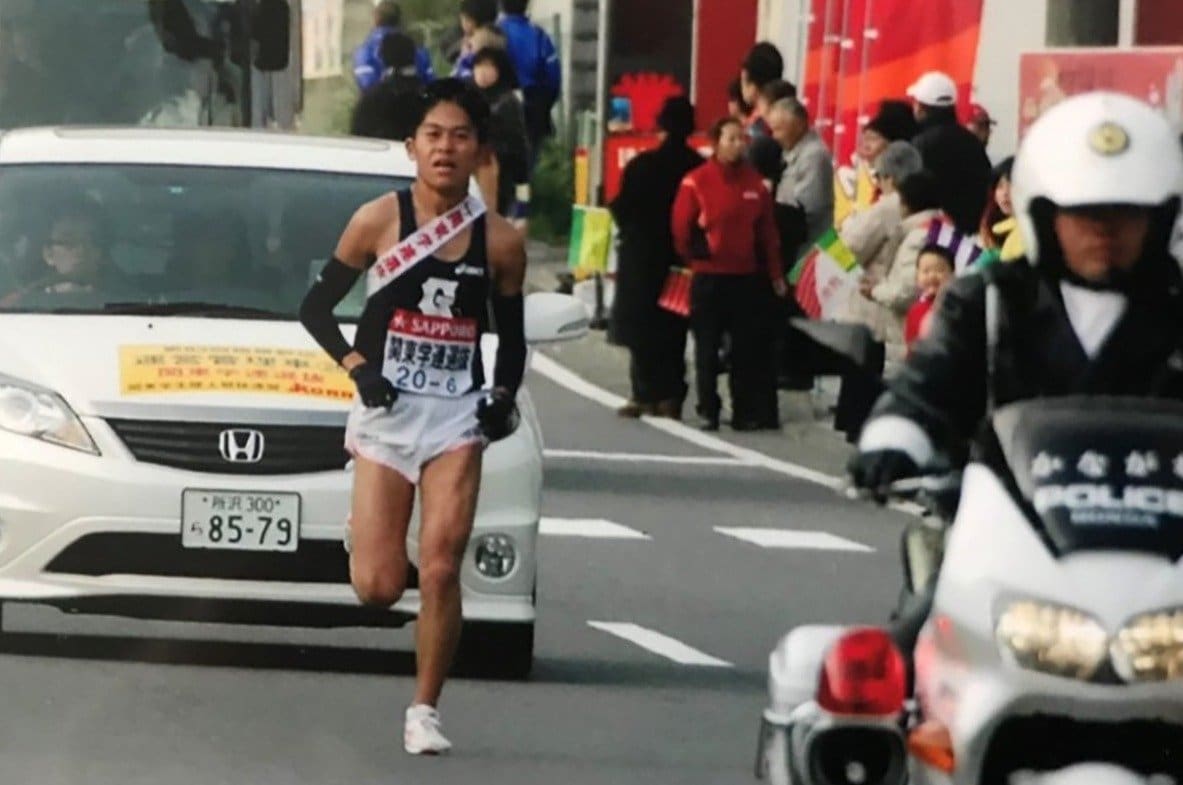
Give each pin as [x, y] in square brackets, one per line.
[102, 534]
[997, 708]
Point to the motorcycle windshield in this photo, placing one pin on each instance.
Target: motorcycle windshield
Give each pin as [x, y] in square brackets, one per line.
[1099, 473]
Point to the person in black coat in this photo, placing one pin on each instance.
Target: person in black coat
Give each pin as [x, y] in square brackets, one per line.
[950, 151]
[655, 338]
[387, 110]
[493, 73]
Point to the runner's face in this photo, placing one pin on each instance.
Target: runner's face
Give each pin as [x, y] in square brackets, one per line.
[445, 148]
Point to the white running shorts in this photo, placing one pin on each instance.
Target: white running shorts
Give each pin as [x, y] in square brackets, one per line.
[417, 429]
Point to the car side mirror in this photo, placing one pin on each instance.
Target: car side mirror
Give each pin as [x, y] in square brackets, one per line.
[553, 318]
[271, 25]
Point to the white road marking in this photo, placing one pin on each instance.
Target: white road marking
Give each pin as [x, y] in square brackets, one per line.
[591, 528]
[633, 457]
[793, 539]
[651, 640]
[564, 377]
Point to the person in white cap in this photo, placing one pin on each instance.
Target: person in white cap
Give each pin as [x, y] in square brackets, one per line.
[956, 158]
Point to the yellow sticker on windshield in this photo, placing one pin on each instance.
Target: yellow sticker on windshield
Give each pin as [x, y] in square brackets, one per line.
[153, 370]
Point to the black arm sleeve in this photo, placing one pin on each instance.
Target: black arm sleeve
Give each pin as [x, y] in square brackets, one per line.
[510, 318]
[316, 312]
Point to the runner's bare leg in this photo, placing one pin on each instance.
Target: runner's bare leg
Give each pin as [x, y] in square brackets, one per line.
[382, 503]
[449, 493]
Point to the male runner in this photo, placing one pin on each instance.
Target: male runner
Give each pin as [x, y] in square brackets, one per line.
[420, 417]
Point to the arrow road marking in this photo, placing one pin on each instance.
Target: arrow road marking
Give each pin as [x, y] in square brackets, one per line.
[664, 645]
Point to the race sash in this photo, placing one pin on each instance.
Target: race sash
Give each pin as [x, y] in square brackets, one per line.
[422, 243]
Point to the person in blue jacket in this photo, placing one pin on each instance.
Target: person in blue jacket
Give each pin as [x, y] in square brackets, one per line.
[367, 58]
[540, 74]
[475, 16]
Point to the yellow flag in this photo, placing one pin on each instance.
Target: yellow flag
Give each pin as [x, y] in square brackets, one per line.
[843, 207]
[864, 193]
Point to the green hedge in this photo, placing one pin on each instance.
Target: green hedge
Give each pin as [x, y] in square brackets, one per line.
[551, 199]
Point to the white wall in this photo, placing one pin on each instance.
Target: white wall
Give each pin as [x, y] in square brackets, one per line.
[1009, 28]
[784, 22]
[543, 10]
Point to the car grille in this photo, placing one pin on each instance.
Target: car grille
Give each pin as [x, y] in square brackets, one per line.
[197, 446]
[161, 555]
[1044, 743]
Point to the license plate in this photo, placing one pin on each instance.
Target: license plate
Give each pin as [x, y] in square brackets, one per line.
[240, 520]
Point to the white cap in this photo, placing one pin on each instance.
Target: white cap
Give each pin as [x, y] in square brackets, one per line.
[934, 89]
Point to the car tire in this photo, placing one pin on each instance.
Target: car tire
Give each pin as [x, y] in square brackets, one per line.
[503, 650]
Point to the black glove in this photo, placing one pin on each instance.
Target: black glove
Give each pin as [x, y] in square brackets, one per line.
[498, 415]
[375, 390]
[876, 470]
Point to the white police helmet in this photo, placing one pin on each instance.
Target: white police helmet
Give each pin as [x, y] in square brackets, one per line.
[1096, 149]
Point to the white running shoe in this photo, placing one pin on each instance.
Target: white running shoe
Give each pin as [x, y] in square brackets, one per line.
[423, 732]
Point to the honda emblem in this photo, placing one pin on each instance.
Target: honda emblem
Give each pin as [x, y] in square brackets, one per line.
[241, 446]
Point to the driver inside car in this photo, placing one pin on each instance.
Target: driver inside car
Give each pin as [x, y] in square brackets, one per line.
[75, 253]
[1095, 308]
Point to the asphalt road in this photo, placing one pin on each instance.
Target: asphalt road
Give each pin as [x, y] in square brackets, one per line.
[651, 653]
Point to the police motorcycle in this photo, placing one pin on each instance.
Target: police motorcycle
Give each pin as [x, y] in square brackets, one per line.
[1054, 649]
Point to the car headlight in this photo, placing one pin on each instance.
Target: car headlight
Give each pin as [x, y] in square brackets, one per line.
[1150, 648]
[1052, 639]
[495, 556]
[41, 414]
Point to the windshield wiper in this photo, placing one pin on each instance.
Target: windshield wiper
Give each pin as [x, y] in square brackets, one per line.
[194, 308]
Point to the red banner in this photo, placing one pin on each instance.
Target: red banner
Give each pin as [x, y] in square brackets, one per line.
[619, 149]
[1152, 75]
[864, 51]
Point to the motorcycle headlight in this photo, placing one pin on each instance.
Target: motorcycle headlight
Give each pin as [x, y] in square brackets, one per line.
[1150, 648]
[41, 414]
[1052, 639]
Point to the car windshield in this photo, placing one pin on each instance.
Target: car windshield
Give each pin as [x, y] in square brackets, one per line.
[202, 241]
[129, 62]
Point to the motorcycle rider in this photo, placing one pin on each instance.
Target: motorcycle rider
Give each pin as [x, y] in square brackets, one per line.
[1095, 308]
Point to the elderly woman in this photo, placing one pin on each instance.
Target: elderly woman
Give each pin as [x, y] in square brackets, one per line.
[868, 233]
[874, 235]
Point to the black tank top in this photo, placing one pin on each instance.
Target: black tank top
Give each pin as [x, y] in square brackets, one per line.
[425, 326]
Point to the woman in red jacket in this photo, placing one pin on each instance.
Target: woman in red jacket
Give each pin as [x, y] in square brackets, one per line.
[723, 227]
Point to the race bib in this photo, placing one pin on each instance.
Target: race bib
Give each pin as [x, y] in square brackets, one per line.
[430, 355]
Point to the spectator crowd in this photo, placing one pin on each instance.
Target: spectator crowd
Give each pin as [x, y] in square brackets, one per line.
[737, 223]
[918, 204]
[510, 59]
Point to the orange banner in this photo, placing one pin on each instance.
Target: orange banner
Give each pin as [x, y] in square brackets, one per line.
[1152, 75]
[862, 52]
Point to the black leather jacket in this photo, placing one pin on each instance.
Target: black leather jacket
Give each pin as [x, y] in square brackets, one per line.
[943, 386]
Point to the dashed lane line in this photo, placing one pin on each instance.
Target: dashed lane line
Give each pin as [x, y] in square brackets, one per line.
[591, 528]
[633, 457]
[793, 539]
[660, 644]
